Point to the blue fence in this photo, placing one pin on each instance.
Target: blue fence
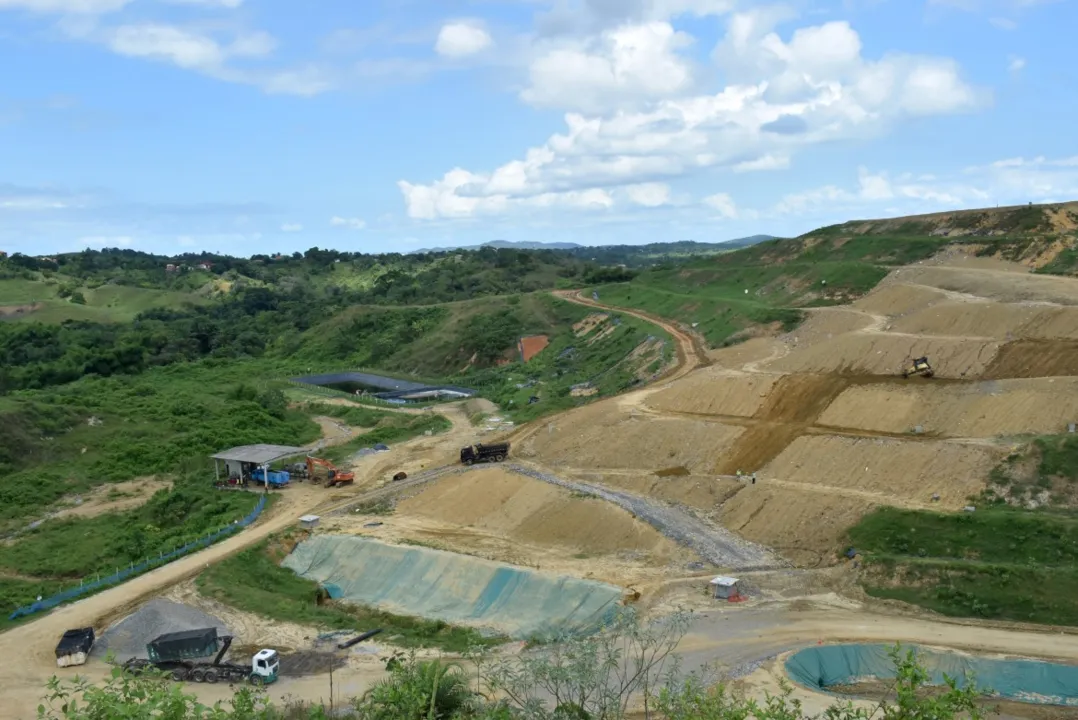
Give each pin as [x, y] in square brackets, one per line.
[148, 564]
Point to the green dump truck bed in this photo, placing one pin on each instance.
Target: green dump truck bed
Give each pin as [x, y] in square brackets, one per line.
[183, 645]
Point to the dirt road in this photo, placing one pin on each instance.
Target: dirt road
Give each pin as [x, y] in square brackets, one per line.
[691, 352]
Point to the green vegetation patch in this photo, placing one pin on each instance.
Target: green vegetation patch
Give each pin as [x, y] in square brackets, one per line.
[76, 436]
[253, 582]
[613, 356]
[997, 563]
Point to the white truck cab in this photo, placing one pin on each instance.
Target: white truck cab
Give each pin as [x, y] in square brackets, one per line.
[264, 666]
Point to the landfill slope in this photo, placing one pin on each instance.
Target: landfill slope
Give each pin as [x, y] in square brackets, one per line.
[438, 585]
[825, 418]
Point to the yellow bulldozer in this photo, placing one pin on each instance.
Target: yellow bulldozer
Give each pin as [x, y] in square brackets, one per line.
[919, 366]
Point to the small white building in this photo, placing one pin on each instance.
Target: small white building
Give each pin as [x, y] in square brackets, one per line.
[309, 522]
[724, 588]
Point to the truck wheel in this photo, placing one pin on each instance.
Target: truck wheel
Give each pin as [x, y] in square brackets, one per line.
[179, 674]
[198, 675]
[211, 676]
[256, 680]
[499, 458]
[468, 462]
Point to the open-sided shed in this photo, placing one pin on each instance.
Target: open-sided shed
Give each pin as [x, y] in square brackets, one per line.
[240, 461]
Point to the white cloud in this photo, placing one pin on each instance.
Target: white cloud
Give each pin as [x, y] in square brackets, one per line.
[291, 227]
[164, 42]
[444, 199]
[649, 194]
[764, 162]
[642, 125]
[351, 223]
[621, 67]
[88, 7]
[1016, 64]
[461, 39]
[200, 52]
[1004, 23]
[1012, 181]
[722, 203]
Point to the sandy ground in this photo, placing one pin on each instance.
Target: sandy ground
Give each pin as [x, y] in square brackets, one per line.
[115, 497]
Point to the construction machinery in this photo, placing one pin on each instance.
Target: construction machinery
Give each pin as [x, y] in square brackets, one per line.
[334, 476]
[484, 453]
[919, 366]
[177, 654]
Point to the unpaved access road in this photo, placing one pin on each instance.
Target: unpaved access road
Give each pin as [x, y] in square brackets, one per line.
[712, 543]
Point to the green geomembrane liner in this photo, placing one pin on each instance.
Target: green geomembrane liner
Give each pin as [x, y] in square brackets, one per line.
[457, 589]
[1031, 681]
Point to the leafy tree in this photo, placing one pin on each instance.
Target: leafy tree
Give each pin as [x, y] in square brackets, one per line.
[418, 690]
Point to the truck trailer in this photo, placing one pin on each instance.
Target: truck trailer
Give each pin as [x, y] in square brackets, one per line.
[179, 655]
[74, 647]
[484, 453]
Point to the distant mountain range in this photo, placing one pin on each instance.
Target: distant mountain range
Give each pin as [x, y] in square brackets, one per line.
[681, 245]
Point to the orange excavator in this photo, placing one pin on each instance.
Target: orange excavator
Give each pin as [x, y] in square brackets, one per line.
[334, 476]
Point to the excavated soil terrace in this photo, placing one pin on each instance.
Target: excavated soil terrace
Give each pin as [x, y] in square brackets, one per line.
[825, 419]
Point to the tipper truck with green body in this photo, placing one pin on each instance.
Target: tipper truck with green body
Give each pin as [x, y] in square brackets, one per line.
[179, 655]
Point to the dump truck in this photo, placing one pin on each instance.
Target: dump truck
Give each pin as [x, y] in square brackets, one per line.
[484, 453]
[277, 478]
[919, 366]
[179, 655]
[74, 647]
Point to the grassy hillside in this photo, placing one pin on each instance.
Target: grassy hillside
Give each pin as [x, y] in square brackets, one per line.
[760, 288]
[58, 298]
[997, 563]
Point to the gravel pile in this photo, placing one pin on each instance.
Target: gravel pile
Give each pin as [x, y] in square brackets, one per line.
[128, 637]
[715, 544]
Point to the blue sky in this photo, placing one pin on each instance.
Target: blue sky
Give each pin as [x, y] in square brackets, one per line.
[250, 126]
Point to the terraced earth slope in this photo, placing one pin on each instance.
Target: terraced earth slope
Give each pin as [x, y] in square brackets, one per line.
[823, 417]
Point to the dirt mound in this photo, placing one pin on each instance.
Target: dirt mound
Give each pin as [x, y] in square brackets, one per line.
[898, 471]
[793, 405]
[884, 355]
[128, 637]
[997, 320]
[1034, 358]
[805, 527]
[997, 285]
[310, 662]
[981, 409]
[535, 512]
[599, 436]
[715, 391]
[894, 298]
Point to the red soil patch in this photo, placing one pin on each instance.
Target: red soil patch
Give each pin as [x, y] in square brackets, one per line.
[531, 346]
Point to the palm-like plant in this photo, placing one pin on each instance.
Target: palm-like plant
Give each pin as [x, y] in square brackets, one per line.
[419, 690]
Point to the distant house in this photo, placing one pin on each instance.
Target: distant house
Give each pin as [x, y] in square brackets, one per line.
[171, 268]
[205, 265]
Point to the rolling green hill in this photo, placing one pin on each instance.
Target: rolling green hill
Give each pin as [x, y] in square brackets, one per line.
[731, 296]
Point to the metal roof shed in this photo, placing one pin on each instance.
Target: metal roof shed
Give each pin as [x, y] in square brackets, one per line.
[261, 455]
[258, 454]
[724, 588]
